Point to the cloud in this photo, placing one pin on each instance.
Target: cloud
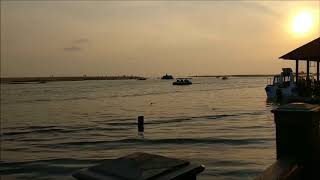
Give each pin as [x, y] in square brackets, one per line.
[81, 41]
[259, 6]
[76, 45]
[72, 49]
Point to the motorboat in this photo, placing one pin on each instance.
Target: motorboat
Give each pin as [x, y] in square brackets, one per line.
[167, 77]
[282, 85]
[182, 81]
[224, 78]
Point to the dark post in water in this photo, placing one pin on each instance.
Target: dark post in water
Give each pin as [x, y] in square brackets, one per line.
[141, 126]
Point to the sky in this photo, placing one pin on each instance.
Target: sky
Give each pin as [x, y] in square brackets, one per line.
[150, 38]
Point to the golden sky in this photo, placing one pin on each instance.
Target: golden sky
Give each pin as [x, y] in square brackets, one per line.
[150, 38]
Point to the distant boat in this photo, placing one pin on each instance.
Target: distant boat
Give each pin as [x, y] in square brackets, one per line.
[167, 77]
[182, 81]
[224, 78]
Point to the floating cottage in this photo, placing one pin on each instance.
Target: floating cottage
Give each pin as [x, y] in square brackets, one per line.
[309, 52]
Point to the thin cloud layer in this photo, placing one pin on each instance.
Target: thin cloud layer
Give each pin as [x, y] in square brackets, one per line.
[77, 45]
[72, 49]
[81, 41]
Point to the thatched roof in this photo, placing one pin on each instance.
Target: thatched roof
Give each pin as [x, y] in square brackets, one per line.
[309, 51]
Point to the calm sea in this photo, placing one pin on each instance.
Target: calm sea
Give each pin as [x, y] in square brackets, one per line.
[51, 130]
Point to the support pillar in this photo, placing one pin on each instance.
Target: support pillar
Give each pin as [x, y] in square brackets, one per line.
[297, 71]
[318, 71]
[308, 78]
[308, 70]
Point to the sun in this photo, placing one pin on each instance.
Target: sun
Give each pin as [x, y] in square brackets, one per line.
[302, 23]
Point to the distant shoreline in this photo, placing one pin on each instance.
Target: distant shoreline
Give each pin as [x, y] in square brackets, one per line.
[31, 80]
[237, 75]
[35, 80]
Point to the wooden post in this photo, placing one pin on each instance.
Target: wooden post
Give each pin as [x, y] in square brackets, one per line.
[308, 78]
[140, 125]
[297, 71]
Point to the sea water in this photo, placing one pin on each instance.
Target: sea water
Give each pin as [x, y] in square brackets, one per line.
[53, 129]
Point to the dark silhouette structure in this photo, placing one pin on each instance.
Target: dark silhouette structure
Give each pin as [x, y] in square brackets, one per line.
[298, 143]
[167, 76]
[309, 52]
[141, 166]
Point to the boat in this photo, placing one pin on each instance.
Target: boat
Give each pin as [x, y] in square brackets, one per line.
[182, 81]
[282, 85]
[167, 77]
[224, 78]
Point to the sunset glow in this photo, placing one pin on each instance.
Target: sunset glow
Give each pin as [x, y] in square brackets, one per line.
[302, 23]
[151, 38]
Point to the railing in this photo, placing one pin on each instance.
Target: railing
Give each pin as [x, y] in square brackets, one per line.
[269, 81]
[308, 88]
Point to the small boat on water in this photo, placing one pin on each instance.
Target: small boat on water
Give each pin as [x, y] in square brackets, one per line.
[224, 78]
[282, 86]
[167, 77]
[182, 81]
